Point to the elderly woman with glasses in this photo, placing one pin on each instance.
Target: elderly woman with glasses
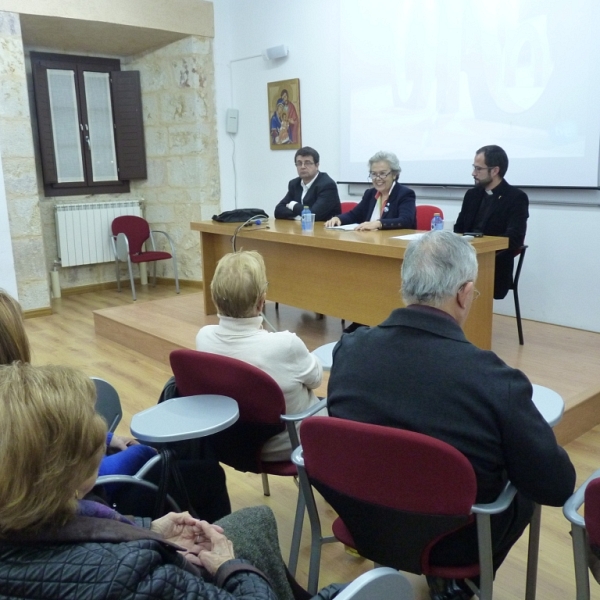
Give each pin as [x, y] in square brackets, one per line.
[387, 205]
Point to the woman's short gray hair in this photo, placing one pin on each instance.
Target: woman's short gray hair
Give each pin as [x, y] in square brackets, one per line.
[435, 267]
[389, 157]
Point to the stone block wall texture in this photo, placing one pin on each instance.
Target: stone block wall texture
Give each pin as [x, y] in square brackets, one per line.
[18, 163]
[178, 96]
[178, 100]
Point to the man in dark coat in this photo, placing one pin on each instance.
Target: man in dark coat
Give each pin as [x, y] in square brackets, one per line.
[494, 207]
[311, 188]
[417, 371]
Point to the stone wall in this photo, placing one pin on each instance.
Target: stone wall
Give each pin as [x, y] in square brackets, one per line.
[178, 99]
[18, 161]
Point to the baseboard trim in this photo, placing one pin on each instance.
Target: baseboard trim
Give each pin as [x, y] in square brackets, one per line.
[91, 287]
[37, 312]
[199, 285]
[112, 285]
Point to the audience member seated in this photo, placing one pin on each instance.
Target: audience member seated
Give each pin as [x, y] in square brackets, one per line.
[417, 371]
[387, 205]
[54, 545]
[311, 188]
[124, 456]
[239, 290]
[494, 207]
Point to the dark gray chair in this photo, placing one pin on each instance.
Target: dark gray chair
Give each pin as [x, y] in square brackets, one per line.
[108, 403]
[515, 289]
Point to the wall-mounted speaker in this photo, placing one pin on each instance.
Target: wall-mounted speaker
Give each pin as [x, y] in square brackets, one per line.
[275, 52]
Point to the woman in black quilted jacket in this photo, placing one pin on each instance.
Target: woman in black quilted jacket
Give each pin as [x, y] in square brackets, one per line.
[54, 545]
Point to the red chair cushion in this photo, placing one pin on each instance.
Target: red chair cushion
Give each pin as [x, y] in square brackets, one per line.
[148, 256]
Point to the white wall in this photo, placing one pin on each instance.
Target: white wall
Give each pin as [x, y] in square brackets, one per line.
[561, 276]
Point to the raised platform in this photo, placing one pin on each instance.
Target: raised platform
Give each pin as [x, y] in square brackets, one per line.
[563, 359]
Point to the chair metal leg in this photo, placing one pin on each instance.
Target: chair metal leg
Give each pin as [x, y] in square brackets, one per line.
[131, 278]
[518, 315]
[582, 580]
[277, 306]
[118, 275]
[486, 569]
[533, 552]
[265, 482]
[154, 274]
[297, 535]
[176, 275]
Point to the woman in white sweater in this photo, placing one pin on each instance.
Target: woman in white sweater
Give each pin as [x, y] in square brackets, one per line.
[239, 290]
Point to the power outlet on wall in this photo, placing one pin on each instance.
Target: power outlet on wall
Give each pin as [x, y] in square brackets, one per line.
[231, 120]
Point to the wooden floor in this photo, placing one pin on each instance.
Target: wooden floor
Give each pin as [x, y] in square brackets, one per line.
[68, 337]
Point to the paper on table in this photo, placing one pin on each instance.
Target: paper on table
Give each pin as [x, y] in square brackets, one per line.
[350, 227]
[416, 236]
[408, 236]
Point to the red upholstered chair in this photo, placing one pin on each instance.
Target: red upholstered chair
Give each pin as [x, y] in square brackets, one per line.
[396, 493]
[129, 236]
[348, 206]
[262, 415]
[425, 213]
[584, 529]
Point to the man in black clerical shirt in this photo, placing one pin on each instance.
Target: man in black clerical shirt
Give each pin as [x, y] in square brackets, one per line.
[494, 207]
[311, 188]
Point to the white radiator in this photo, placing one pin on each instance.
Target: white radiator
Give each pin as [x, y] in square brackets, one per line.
[83, 230]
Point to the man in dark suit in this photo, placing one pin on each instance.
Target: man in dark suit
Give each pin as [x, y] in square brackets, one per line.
[494, 207]
[417, 371]
[311, 188]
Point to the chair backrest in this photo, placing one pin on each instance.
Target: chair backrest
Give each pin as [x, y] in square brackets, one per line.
[108, 403]
[425, 213]
[135, 228]
[348, 206]
[259, 397]
[396, 491]
[592, 512]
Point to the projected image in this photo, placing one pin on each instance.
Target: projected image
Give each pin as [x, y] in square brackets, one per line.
[438, 79]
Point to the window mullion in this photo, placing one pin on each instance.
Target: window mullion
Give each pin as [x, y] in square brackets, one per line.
[84, 127]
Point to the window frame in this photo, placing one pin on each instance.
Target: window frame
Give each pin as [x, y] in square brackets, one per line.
[130, 121]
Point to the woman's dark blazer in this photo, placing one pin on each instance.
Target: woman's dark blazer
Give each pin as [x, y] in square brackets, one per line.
[399, 211]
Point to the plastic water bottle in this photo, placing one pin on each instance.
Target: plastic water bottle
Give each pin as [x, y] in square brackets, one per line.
[437, 223]
[306, 218]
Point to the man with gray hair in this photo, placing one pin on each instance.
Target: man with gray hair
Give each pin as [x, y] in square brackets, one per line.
[417, 371]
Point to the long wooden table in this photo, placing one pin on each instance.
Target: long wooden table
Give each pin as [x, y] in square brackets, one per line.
[354, 275]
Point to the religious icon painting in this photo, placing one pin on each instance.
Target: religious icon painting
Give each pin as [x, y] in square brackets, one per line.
[285, 131]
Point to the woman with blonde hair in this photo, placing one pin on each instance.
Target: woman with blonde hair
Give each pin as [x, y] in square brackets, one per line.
[14, 344]
[55, 545]
[239, 291]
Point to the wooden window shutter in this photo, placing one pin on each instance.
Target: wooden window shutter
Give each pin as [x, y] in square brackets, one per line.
[129, 126]
[42, 104]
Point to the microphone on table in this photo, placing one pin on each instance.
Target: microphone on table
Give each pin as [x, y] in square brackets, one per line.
[254, 220]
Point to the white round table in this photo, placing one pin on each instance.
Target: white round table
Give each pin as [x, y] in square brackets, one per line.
[549, 403]
[325, 354]
[181, 419]
[185, 418]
